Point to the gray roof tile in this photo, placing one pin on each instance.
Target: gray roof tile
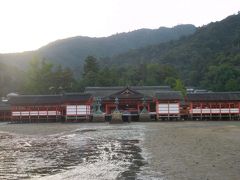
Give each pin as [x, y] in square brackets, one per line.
[168, 95]
[214, 96]
[48, 99]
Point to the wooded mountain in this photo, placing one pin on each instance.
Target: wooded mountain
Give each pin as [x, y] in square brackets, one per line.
[210, 56]
[72, 51]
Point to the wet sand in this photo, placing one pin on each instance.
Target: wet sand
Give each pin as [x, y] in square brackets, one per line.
[193, 150]
[161, 150]
[70, 151]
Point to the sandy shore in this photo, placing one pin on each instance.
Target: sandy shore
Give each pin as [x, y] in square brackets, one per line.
[194, 150]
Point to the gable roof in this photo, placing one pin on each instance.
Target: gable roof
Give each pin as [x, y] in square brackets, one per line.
[107, 91]
[214, 96]
[127, 93]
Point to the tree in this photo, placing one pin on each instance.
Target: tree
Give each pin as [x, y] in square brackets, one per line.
[176, 84]
[11, 79]
[223, 77]
[90, 72]
[179, 86]
[107, 77]
[63, 79]
[170, 81]
[232, 85]
[90, 65]
[44, 78]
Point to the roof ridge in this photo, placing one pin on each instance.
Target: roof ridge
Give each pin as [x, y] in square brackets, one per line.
[37, 95]
[231, 92]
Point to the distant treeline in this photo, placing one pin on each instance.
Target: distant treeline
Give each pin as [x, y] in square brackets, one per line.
[45, 78]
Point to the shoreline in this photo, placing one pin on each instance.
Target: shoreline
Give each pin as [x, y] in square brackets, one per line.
[170, 150]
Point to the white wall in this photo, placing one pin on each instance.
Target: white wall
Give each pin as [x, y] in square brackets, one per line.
[165, 108]
[73, 110]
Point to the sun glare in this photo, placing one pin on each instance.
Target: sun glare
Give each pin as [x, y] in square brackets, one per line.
[28, 25]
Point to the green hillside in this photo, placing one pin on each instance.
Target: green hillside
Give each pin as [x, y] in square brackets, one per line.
[210, 58]
[71, 52]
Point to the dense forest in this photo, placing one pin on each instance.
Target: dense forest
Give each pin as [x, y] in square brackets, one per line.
[209, 59]
[44, 78]
[11, 79]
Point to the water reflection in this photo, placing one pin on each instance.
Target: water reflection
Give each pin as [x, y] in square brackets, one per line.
[100, 152]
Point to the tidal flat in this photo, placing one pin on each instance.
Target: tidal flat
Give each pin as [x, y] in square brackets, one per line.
[158, 150]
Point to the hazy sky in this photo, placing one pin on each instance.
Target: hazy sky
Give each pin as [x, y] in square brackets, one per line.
[30, 24]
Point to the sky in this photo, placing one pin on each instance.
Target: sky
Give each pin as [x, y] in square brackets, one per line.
[29, 24]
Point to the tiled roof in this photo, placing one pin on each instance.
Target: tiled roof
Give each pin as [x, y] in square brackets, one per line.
[107, 91]
[48, 99]
[214, 96]
[76, 97]
[35, 99]
[169, 95]
[4, 106]
[127, 93]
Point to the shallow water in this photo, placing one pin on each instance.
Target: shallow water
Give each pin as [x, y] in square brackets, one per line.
[159, 150]
[71, 151]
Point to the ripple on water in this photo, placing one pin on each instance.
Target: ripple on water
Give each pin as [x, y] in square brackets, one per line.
[87, 153]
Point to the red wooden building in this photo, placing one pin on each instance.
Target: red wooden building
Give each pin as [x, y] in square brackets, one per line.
[50, 108]
[168, 105]
[35, 108]
[159, 101]
[76, 107]
[5, 111]
[214, 105]
[131, 100]
[130, 103]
